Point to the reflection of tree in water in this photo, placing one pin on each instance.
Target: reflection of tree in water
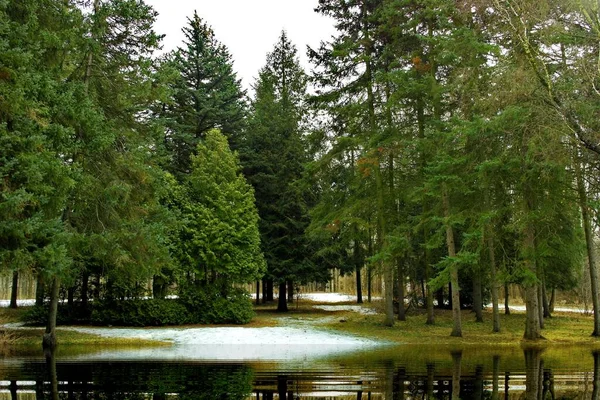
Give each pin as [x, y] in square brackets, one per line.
[453, 377]
[124, 380]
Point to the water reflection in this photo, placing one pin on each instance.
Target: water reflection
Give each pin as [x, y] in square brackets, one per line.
[452, 375]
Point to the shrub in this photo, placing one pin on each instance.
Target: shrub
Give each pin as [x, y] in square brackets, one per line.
[207, 305]
[196, 305]
[75, 314]
[150, 312]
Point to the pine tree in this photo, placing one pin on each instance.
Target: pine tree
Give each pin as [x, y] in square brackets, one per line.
[204, 95]
[273, 156]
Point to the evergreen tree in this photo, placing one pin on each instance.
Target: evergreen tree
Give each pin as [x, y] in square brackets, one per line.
[220, 241]
[205, 94]
[273, 156]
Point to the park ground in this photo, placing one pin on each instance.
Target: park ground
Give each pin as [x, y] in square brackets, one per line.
[321, 318]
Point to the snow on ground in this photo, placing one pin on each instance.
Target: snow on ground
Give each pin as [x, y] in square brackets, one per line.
[331, 297]
[20, 303]
[233, 343]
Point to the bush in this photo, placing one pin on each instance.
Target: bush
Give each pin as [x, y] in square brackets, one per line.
[207, 305]
[76, 314]
[196, 305]
[150, 312]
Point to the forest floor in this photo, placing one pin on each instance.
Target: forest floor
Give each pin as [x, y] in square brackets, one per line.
[315, 323]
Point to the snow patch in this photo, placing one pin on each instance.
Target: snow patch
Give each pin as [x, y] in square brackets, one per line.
[232, 343]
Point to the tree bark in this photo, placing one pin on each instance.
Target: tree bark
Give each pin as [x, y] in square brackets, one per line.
[506, 294]
[282, 301]
[545, 304]
[456, 318]
[14, 292]
[270, 296]
[39, 290]
[427, 292]
[357, 267]
[49, 340]
[257, 300]
[493, 273]
[85, 278]
[532, 318]
[401, 309]
[540, 305]
[552, 300]
[477, 295]
[589, 243]
[290, 291]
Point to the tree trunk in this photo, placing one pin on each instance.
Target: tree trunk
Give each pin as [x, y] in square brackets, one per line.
[439, 297]
[552, 300]
[401, 310]
[532, 318]
[290, 291]
[369, 283]
[158, 287]
[270, 296]
[85, 278]
[359, 299]
[282, 302]
[14, 292]
[369, 268]
[545, 304]
[457, 326]
[49, 339]
[477, 295]
[506, 307]
[540, 307]
[39, 290]
[492, 257]
[389, 295]
[257, 300]
[357, 267]
[427, 292]
[589, 242]
[71, 296]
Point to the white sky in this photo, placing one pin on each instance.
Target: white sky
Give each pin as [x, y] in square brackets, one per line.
[249, 28]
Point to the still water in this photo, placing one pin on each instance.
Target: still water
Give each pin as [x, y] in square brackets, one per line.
[390, 373]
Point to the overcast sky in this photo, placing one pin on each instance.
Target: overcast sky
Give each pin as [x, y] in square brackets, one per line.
[249, 28]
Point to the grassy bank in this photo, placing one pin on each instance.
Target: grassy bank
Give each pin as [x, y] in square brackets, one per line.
[31, 338]
[561, 329]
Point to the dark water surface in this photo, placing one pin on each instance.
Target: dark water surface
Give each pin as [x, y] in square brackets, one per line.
[407, 372]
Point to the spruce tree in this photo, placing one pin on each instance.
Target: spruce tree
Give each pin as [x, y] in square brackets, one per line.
[273, 155]
[205, 94]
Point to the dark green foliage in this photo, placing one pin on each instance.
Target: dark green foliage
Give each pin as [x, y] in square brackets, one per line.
[208, 305]
[273, 155]
[196, 305]
[204, 94]
[150, 312]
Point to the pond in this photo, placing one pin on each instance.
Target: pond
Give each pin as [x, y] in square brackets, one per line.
[401, 372]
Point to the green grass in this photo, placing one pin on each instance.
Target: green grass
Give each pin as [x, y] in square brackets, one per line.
[561, 329]
[24, 340]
